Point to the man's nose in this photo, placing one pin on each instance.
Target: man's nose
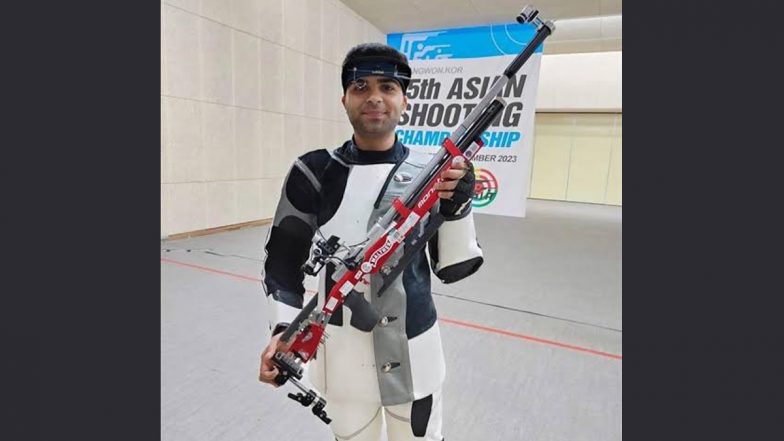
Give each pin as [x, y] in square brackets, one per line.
[375, 96]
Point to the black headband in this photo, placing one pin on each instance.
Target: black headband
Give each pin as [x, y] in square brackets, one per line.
[383, 66]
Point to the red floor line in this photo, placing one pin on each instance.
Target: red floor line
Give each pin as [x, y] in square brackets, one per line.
[442, 319]
[528, 337]
[211, 270]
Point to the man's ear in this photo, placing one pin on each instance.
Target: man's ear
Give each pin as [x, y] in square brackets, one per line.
[343, 100]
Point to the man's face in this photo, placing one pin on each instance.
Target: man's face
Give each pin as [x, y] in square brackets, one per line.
[374, 105]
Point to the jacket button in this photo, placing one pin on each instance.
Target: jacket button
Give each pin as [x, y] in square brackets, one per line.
[384, 321]
[386, 367]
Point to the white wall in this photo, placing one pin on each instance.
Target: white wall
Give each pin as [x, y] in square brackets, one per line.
[586, 34]
[246, 86]
[578, 142]
[578, 157]
[582, 82]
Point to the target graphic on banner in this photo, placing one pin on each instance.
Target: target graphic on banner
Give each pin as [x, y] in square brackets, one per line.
[485, 187]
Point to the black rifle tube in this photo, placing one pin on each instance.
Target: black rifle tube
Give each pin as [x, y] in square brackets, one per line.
[303, 314]
[480, 125]
[522, 57]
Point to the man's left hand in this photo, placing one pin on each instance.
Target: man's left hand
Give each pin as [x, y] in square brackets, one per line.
[449, 179]
[456, 188]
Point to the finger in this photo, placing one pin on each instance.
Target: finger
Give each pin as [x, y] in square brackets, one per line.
[271, 350]
[268, 376]
[264, 372]
[268, 372]
[446, 194]
[270, 381]
[453, 174]
[446, 185]
[459, 163]
[284, 346]
[266, 362]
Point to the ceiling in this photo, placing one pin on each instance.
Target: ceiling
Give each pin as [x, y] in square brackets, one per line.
[581, 25]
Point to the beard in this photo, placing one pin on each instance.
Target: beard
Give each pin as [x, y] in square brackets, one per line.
[372, 127]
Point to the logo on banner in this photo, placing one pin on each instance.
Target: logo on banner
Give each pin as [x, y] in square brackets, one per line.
[485, 188]
[417, 47]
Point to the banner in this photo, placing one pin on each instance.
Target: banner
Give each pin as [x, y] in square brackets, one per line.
[452, 71]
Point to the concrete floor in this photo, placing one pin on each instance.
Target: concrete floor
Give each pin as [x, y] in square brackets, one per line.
[532, 341]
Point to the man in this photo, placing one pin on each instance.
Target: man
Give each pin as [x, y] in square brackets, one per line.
[393, 374]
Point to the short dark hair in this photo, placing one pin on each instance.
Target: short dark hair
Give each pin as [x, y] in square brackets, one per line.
[376, 52]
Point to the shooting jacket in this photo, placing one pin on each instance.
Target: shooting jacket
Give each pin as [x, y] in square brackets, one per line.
[343, 192]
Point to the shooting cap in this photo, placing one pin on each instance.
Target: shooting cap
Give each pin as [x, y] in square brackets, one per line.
[375, 59]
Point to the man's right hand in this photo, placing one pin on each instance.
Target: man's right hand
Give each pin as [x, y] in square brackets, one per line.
[268, 371]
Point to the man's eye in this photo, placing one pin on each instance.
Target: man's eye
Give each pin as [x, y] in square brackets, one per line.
[360, 85]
